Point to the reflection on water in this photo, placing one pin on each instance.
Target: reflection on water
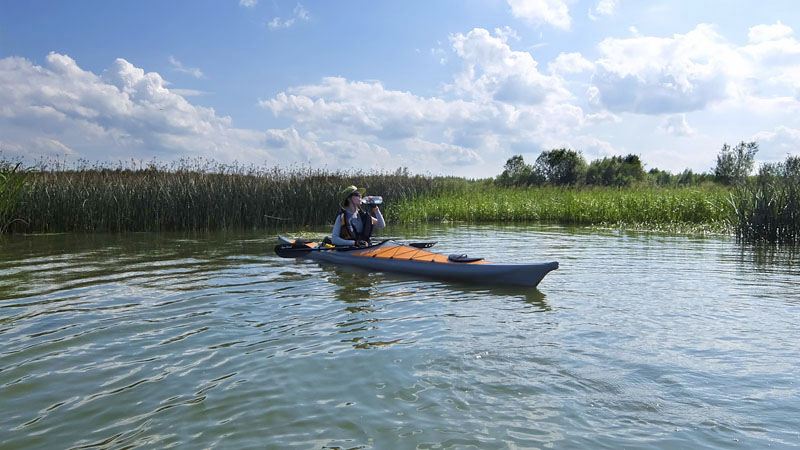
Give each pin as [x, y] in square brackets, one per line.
[210, 340]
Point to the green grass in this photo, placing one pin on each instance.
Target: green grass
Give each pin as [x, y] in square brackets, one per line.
[705, 208]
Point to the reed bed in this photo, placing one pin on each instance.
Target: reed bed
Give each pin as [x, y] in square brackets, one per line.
[193, 195]
[704, 208]
[197, 195]
[767, 207]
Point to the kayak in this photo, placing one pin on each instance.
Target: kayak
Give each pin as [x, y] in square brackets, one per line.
[413, 259]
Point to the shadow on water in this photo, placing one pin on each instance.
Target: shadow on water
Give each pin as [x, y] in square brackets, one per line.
[357, 285]
[767, 255]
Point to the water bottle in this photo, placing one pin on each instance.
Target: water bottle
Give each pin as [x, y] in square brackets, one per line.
[372, 200]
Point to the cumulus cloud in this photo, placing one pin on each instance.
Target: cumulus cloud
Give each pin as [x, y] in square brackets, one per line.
[698, 70]
[59, 108]
[248, 3]
[569, 63]
[298, 13]
[676, 125]
[179, 67]
[501, 103]
[653, 75]
[603, 8]
[538, 12]
[494, 71]
[762, 33]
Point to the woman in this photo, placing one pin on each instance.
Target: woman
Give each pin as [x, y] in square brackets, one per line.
[353, 227]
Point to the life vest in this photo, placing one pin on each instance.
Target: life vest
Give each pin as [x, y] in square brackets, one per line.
[350, 232]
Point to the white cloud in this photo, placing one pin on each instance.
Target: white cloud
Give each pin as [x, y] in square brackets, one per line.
[697, 71]
[494, 71]
[60, 108]
[502, 104]
[763, 33]
[776, 144]
[676, 125]
[603, 8]
[442, 153]
[538, 12]
[653, 75]
[179, 67]
[248, 3]
[187, 92]
[773, 46]
[365, 154]
[298, 13]
[506, 33]
[569, 63]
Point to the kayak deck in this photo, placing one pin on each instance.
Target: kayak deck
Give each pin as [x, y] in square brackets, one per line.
[392, 256]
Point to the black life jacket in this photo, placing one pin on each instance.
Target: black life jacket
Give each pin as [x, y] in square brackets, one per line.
[348, 230]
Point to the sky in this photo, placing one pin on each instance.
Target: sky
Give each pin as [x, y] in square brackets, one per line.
[440, 87]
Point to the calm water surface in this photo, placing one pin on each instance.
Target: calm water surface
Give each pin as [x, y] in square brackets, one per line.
[638, 341]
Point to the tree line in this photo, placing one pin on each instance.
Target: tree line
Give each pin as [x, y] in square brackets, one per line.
[566, 167]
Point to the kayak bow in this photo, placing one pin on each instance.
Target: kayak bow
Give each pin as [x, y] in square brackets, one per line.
[391, 256]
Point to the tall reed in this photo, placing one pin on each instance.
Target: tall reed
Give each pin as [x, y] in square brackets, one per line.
[12, 182]
[767, 207]
[195, 195]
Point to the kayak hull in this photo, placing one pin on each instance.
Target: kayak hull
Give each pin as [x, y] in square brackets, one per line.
[434, 265]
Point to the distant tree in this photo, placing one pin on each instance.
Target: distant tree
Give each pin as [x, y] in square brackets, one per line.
[515, 166]
[560, 166]
[686, 178]
[615, 171]
[515, 172]
[660, 177]
[735, 163]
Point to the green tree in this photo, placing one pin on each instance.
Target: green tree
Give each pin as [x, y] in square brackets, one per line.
[515, 172]
[734, 164]
[615, 171]
[659, 177]
[560, 166]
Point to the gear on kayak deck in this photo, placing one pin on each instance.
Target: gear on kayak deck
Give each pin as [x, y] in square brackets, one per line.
[462, 258]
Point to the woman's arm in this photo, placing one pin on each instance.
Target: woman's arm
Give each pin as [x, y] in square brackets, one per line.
[337, 230]
[380, 222]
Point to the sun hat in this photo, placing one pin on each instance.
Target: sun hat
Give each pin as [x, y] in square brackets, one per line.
[350, 190]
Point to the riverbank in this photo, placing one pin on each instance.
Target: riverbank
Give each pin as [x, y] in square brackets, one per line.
[200, 195]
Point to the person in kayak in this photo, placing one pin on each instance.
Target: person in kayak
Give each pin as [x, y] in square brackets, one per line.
[353, 227]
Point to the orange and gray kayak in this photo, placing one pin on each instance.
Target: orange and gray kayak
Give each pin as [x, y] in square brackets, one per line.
[414, 259]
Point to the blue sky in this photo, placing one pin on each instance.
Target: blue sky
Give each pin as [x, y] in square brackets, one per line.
[444, 87]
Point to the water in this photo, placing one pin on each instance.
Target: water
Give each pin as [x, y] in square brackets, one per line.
[637, 341]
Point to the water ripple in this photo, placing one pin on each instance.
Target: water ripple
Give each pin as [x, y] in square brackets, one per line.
[638, 340]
